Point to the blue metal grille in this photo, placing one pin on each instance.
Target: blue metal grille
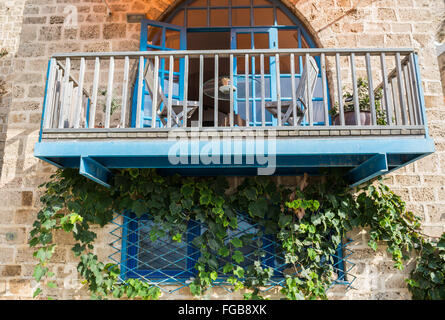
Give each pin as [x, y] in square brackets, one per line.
[144, 251]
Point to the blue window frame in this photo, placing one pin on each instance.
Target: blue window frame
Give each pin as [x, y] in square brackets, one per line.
[149, 253]
[235, 17]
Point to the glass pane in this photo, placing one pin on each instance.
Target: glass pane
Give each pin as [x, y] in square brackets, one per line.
[257, 87]
[154, 36]
[304, 43]
[258, 65]
[237, 3]
[178, 19]
[208, 40]
[240, 17]
[261, 40]
[196, 18]
[175, 65]
[263, 17]
[163, 254]
[258, 114]
[219, 3]
[261, 3]
[243, 41]
[288, 38]
[172, 39]
[219, 17]
[198, 3]
[283, 19]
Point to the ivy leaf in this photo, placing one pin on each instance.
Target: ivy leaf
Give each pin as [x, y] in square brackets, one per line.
[258, 208]
[39, 272]
[284, 220]
[223, 251]
[237, 243]
[227, 267]
[238, 256]
[177, 237]
[36, 292]
[250, 193]
[239, 272]
[311, 253]
[437, 277]
[213, 275]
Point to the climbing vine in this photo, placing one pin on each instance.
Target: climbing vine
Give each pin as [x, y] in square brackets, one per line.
[308, 221]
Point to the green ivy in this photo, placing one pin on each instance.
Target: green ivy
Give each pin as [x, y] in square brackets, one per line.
[309, 222]
[427, 280]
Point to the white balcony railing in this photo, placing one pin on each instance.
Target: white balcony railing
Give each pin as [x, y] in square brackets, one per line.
[112, 90]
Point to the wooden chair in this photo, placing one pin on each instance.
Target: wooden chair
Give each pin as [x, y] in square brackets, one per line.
[177, 109]
[304, 95]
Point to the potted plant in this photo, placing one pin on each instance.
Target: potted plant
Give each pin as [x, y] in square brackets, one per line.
[364, 106]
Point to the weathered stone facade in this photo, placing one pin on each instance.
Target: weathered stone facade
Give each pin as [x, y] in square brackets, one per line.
[32, 30]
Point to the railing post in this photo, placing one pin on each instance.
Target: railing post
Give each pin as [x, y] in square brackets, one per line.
[49, 95]
[64, 93]
[278, 86]
[246, 76]
[155, 97]
[170, 91]
[339, 89]
[216, 90]
[386, 89]
[413, 77]
[420, 92]
[371, 89]
[79, 100]
[400, 86]
[201, 91]
[125, 90]
[231, 116]
[186, 88]
[94, 94]
[324, 88]
[354, 91]
[308, 94]
[294, 93]
[109, 93]
[263, 92]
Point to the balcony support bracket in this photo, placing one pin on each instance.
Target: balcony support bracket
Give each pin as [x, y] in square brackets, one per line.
[374, 166]
[95, 171]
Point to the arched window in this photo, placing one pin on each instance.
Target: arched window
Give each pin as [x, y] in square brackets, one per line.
[230, 24]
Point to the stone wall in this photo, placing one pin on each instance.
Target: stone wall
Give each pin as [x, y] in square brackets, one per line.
[51, 26]
[441, 60]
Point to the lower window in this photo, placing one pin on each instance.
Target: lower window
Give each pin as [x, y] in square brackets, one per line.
[151, 254]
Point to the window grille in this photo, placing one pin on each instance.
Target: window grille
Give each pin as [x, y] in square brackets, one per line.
[144, 251]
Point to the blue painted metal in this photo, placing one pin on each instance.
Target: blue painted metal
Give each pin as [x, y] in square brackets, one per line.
[163, 73]
[374, 166]
[289, 156]
[88, 113]
[283, 147]
[45, 100]
[95, 171]
[160, 261]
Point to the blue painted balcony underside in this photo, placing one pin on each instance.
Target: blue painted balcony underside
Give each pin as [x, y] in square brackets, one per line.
[364, 158]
